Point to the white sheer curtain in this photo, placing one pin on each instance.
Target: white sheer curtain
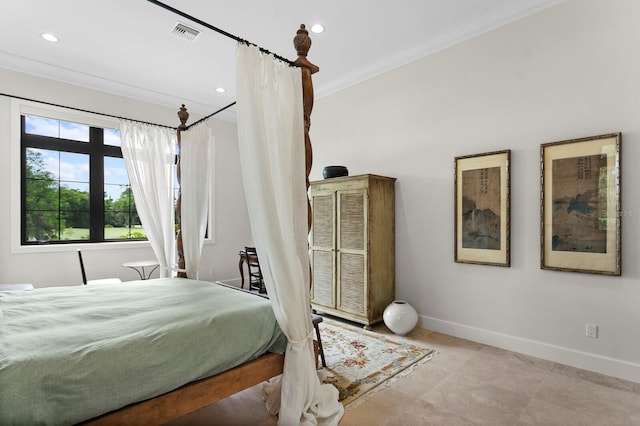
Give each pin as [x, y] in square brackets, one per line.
[271, 140]
[195, 183]
[149, 153]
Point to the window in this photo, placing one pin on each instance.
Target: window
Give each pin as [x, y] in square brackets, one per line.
[68, 161]
[74, 184]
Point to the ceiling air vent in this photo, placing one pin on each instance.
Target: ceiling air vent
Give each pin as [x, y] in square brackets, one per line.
[187, 33]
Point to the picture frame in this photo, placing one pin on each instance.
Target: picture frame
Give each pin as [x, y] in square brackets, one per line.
[580, 205]
[483, 208]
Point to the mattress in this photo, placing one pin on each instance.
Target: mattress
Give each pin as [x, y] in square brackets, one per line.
[68, 354]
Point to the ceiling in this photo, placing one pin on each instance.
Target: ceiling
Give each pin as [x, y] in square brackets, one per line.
[126, 46]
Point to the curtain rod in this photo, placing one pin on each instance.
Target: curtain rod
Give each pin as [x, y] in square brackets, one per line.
[218, 30]
[116, 116]
[210, 115]
[86, 110]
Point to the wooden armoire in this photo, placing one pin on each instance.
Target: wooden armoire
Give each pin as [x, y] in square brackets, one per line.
[352, 246]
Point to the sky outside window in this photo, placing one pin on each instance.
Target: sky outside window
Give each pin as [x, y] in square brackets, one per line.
[56, 128]
[72, 170]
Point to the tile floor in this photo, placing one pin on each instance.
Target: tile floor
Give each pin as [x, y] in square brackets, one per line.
[466, 383]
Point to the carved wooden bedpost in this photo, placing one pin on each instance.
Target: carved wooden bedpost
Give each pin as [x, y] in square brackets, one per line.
[302, 43]
[183, 115]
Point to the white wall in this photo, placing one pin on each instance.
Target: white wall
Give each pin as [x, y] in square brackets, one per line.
[568, 72]
[61, 267]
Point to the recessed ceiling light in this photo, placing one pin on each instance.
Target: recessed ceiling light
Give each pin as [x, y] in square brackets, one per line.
[317, 28]
[49, 37]
[221, 90]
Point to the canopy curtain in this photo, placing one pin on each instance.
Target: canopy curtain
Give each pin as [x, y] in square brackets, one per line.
[149, 154]
[272, 159]
[195, 183]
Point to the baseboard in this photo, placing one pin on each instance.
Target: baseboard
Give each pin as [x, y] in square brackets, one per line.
[587, 361]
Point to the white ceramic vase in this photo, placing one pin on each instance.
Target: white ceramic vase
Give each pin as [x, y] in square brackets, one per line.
[400, 317]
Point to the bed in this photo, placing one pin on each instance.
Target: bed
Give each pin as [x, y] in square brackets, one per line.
[149, 388]
[69, 354]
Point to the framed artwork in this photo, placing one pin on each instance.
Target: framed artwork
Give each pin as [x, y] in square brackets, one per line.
[580, 205]
[482, 208]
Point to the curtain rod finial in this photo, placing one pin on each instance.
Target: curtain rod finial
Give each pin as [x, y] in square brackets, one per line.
[302, 41]
[183, 115]
[302, 44]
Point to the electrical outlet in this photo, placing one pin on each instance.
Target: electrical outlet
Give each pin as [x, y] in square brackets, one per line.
[592, 330]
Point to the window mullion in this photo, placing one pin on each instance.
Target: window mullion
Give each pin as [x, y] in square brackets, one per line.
[96, 185]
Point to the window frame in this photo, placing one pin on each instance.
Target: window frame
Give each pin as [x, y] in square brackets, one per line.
[21, 107]
[96, 151]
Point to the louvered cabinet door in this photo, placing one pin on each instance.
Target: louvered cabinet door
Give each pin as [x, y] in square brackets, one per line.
[323, 249]
[351, 251]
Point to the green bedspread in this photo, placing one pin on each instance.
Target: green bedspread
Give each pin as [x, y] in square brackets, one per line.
[68, 354]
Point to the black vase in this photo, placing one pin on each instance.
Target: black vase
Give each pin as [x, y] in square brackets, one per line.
[334, 171]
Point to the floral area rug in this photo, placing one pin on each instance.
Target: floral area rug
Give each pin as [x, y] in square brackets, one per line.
[359, 360]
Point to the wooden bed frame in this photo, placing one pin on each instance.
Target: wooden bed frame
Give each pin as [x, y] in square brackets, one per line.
[195, 395]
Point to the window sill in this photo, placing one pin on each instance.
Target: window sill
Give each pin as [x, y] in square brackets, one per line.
[52, 248]
[108, 245]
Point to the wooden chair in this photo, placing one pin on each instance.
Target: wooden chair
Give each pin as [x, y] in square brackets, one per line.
[317, 319]
[101, 281]
[256, 282]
